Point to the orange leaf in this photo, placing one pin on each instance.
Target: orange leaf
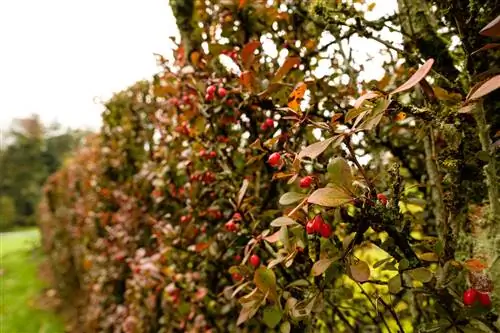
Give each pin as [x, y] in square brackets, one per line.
[201, 246]
[400, 116]
[195, 58]
[415, 78]
[247, 54]
[246, 79]
[286, 67]
[492, 29]
[296, 96]
[475, 265]
[483, 88]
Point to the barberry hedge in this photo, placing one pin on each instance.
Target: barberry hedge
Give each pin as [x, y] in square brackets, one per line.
[258, 183]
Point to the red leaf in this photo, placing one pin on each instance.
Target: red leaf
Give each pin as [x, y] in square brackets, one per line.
[247, 56]
[492, 29]
[483, 88]
[286, 67]
[242, 3]
[415, 78]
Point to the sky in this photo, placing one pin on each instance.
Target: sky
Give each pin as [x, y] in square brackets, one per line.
[61, 58]
[58, 58]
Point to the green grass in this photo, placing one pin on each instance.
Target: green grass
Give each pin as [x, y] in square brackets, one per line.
[20, 285]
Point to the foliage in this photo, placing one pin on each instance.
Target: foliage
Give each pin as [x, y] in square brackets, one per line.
[31, 153]
[7, 212]
[189, 213]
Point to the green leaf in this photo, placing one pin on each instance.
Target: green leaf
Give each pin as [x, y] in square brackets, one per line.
[320, 266]
[429, 256]
[376, 115]
[299, 283]
[381, 262]
[339, 173]
[272, 316]
[329, 197]
[265, 280]
[404, 264]
[421, 274]
[285, 327]
[483, 156]
[394, 284]
[290, 198]
[282, 221]
[360, 271]
[314, 150]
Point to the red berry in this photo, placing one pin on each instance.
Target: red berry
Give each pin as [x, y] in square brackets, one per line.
[185, 218]
[231, 226]
[382, 198]
[209, 97]
[306, 182]
[237, 216]
[263, 127]
[470, 296]
[229, 102]
[310, 227]
[186, 99]
[317, 222]
[269, 123]
[325, 230]
[237, 276]
[212, 154]
[237, 258]
[484, 299]
[211, 90]
[255, 260]
[203, 152]
[222, 92]
[274, 160]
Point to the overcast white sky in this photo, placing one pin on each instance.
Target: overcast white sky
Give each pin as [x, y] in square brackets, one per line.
[57, 56]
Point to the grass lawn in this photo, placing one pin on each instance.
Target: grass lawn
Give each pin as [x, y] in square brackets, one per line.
[20, 285]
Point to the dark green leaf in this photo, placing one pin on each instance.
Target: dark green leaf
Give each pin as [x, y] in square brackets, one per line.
[272, 316]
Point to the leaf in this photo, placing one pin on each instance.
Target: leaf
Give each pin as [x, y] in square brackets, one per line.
[290, 198]
[283, 221]
[265, 280]
[487, 47]
[248, 311]
[299, 283]
[242, 4]
[286, 67]
[369, 95]
[370, 7]
[273, 238]
[296, 96]
[247, 54]
[285, 327]
[314, 150]
[329, 197]
[321, 266]
[376, 115]
[339, 173]
[475, 265]
[246, 79]
[394, 284]
[353, 113]
[484, 88]
[241, 193]
[360, 271]
[381, 262]
[421, 274]
[419, 75]
[272, 316]
[429, 256]
[492, 29]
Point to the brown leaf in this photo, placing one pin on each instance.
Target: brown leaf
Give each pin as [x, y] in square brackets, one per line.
[487, 47]
[492, 29]
[360, 271]
[286, 67]
[321, 266]
[314, 150]
[369, 95]
[415, 78]
[246, 79]
[329, 197]
[247, 54]
[274, 237]
[483, 88]
[242, 192]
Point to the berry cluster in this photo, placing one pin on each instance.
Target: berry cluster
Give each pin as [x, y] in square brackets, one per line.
[267, 124]
[472, 296]
[319, 226]
[232, 225]
[210, 93]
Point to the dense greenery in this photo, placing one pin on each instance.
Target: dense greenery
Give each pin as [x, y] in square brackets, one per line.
[259, 183]
[29, 153]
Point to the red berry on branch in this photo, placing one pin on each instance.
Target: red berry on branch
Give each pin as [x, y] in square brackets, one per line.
[306, 182]
[317, 223]
[325, 230]
[211, 90]
[310, 227]
[212, 154]
[470, 296]
[209, 97]
[203, 152]
[237, 276]
[484, 299]
[274, 160]
[222, 92]
[237, 258]
[263, 127]
[269, 123]
[255, 260]
[382, 198]
[231, 226]
[229, 102]
[237, 216]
